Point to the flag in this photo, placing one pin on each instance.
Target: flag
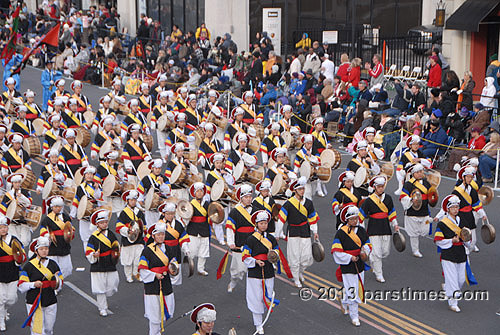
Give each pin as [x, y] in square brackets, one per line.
[469, 276]
[283, 262]
[222, 265]
[35, 316]
[10, 49]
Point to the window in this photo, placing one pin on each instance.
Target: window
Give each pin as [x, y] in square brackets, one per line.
[179, 14]
[166, 16]
[191, 14]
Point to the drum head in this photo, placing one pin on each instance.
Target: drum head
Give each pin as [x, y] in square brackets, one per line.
[148, 118]
[89, 117]
[327, 158]
[434, 178]
[197, 137]
[399, 241]
[47, 188]
[149, 198]
[277, 184]
[27, 146]
[238, 170]
[162, 122]
[143, 170]
[176, 174]
[217, 190]
[234, 142]
[38, 125]
[416, 197]
[305, 169]
[82, 207]
[488, 233]
[11, 210]
[78, 177]
[288, 138]
[79, 136]
[229, 179]
[360, 177]
[108, 186]
[106, 147]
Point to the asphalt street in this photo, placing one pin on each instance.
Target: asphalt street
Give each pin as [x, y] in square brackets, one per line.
[77, 313]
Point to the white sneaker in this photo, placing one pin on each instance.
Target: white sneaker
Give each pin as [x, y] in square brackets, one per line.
[476, 249]
[417, 254]
[321, 194]
[454, 309]
[203, 273]
[260, 330]
[298, 284]
[380, 279]
[301, 277]
[130, 280]
[103, 313]
[344, 309]
[222, 242]
[230, 288]
[3, 328]
[356, 322]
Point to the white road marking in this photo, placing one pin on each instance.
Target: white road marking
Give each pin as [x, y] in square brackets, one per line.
[83, 294]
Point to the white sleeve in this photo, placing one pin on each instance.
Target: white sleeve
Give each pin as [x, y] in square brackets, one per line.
[91, 258]
[128, 164]
[230, 236]
[375, 168]
[481, 213]
[265, 158]
[25, 287]
[445, 244]
[279, 228]
[406, 202]
[394, 223]
[227, 145]
[153, 125]
[73, 211]
[249, 262]
[314, 228]
[367, 249]
[124, 231]
[426, 163]
[441, 214]
[147, 276]
[341, 258]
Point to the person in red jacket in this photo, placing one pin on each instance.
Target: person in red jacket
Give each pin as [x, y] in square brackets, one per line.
[343, 71]
[355, 72]
[477, 141]
[434, 73]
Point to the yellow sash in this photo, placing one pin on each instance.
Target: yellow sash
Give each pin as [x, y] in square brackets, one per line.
[464, 194]
[347, 192]
[111, 170]
[80, 101]
[409, 156]
[42, 268]
[136, 148]
[379, 203]
[130, 213]
[5, 247]
[196, 204]
[296, 203]
[75, 154]
[31, 109]
[159, 253]
[245, 213]
[22, 125]
[102, 238]
[14, 155]
[320, 138]
[135, 119]
[248, 110]
[56, 220]
[261, 201]
[192, 112]
[263, 240]
[171, 230]
[180, 135]
[450, 224]
[419, 185]
[183, 103]
[355, 160]
[352, 235]
[210, 144]
[143, 100]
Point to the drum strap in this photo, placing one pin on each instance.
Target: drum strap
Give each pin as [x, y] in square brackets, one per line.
[135, 147]
[301, 208]
[14, 155]
[23, 126]
[196, 204]
[182, 102]
[352, 235]
[175, 234]
[144, 101]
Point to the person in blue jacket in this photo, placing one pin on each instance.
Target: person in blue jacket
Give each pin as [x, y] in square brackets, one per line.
[11, 66]
[49, 77]
[437, 135]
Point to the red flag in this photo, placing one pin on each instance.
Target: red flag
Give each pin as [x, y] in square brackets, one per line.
[222, 265]
[52, 37]
[285, 265]
[10, 48]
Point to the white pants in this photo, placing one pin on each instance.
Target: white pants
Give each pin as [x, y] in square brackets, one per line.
[8, 297]
[151, 218]
[199, 247]
[161, 136]
[129, 258]
[22, 232]
[86, 229]
[153, 311]
[254, 295]
[49, 319]
[416, 226]
[454, 279]
[400, 175]
[299, 255]
[116, 203]
[381, 247]
[310, 190]
[64, 263]
[238, 268]
[105, 283]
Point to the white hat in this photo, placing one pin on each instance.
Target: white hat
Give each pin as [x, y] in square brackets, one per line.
[212, 93]
[58, 102]
[89, 169]
[42, 241]
[262, 215]
[241, 137]
[245, 189]
[412, 139]
[53, 152]
[217, 157]
[4, 221]
[108, 119]
[237, 111]
[10, 81]
[169, 207]
[29, 94]
[216, 111]
[17, 138]
[21, 108]
[178, 146]
[160, 227]
[206, 315]
[132, 194]
[163, 94]
[121, 100]
[287, 108]
[69, 133]
[117, 81]
[209, 126]
[417, 168]
[144, 86]
[60, 82]
[264, 185]
[133, 102]
[134, 127]
[307, 138]
[163, 77]
[180, 117]
[73, 101]
[105, 98]
[102, 215]
[378, 181]
[198, 186]
[360, 145]
[275, 126]
[299, 183]
[349, 212]
[56, 201]
[157, 163]
[17, 178]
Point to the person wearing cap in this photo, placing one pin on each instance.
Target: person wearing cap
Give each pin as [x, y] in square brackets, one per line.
[106, 133]
[302, 221]
[16, 157]
[41, 276]
[161, 85]
[83, 102]
[307, 154]
[265, 201]
[237, 126]
[9, 271]
[181, 102]
[159, 300]
[271, 141]
[378, 209]
[320, 137]
[11, 91]
[33, 111]
[109, 167]
[453, 250]
[53, 128]
[239, 227]
[176, 238]
[130, 250]
[48, 79]
[59, 91]
[135, 151]
[180, 134]
[22, 125]
[193, 119]
[162, 107]
[416, 221]
[72, 154]
[104, 111]
[4, 141]
[104, 278]
[349, 242]
[208, 147]
[375, 149]
[252, 113]
[361, 158]
[53, 169]
[198, 227]
[90, 189]
[134, 117]
[347, 194]
[72, 117]
[288, 123]
[477, 141]
[412, 155]
[241, 152]
[146, 100]
[280, 156]
[117, 96]
[213, 101]
[53, 226]
[260, 275]
[477, 182]
[155, 179]
[204, 317]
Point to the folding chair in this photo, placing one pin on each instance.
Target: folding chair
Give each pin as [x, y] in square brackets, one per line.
[391, 72]
[415, 73]
[438, 160]
[405, 72]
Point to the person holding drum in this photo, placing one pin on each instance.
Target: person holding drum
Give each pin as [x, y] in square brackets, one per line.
[414, 199]
[146, 100]
[59, 92]
[178, 161]
[271, 142]
[374, 149]
[56, 225]
[9, 269]
[181, 102]
[302, 221]
[320, 138]
[208, 147]
[307, 154]
[53, 169]
[110, 167]
[193, 116]
[21, 199]
[135, 151]
[159, 183]
[265, 201]
[4, 142]
[134, 117]
[83, 102]
[379, 210]
[412, 155]
[452, 244]
[16, 157]
[90, 189]
[107, 133]
[101, 252]
[161, 85]
[361, 159]
[131, 225]
[280, 168]
[72, 117]
[54, 134]
[10, 93]
[102, 112]
[239, 227]
[234, 128]
[239, 153]
[180, 134]
[117, 92]
[34, 111]
[72, 154]
[346, 195]
[160, 109]
[217, 115]
[41, 276]
[260, 275]
[22, 125]
[287, 123]
[350, 249]
[252, 113]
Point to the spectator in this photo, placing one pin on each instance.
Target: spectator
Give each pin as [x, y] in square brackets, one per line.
[417, 100]
[310, 80]
[354, 72]
[434, 73]
[327, 67]
[365, 96]
[488, 157]
[312, 63]
[295, 66]
[465, 91]
[481, 118]
[143, 32]
[454, 127]
[377, 73]
[302, 57]
[202, 31]
[439, 59]
[269, 64]
[304, 42]
[344, 67]
[488, 94]
[156, 33]
[327, 91]
[379, 94]
[176, 32]
[439, 138]
[477, 141]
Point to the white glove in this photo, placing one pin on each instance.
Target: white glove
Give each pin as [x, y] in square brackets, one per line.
[60, 177]
[190, 139]
[97, 194]
[93, 155]
[85, 163]
[165, 189]
[460, 92]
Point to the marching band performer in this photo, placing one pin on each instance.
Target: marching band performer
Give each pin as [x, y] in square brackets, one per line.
[306, 153]
[213, 100]
[18, 227]
[299, 213]
[161, 86]
[362, 159]
[180, 134]
[177, 159]
[116, 93]
[287, 123]
[218, 173]
[11, 91]
[146, 100]
[320, 138]
[351, 247]
[4, 142]
[162, 108]
[161, 185]
[181, 102]
[271, 142]
[109, 167]
[260, 276]
[379, 210]
[448, 238]
[103, 112]
[219, 114]
[198, 228]
[91, 189]
[416, 220]
[9, 271]
[193, 117]
[83, 102]
[131, 249]
[252, 114]
[72, 117]
[99, 252]
[40, 279]
[159, 301]
[59, 92]
[134, 151]
[279, 155]
[204, 317]
[234, 128]
[239, 227]
[176, 239]
[134, 117]
[55, 132]
[239, 152]
[22, 125]
[346, 195]
[375, 150]
[208, 147]
[264, 201]
[412, 155]
[16, 157]
[106, 133]
[72, 154]
[33, 111]
[54, 226]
